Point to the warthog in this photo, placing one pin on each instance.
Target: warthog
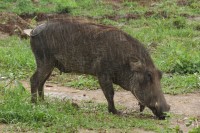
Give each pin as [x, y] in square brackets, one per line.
[74, 45]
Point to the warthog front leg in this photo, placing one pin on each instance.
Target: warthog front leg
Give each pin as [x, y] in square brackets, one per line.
[107, 87]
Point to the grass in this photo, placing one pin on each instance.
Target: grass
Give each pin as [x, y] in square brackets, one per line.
[57, 115]
[16, 58]
[91, 8]
[195, 130]
[28, 7]
[168, 33]
[167, 28]
[180, 84]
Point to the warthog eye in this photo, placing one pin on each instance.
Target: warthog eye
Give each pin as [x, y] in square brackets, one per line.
[149, 76]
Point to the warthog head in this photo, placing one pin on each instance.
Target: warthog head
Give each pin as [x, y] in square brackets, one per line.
[146, 87]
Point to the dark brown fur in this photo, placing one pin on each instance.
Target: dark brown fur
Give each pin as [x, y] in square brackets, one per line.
[73, 45]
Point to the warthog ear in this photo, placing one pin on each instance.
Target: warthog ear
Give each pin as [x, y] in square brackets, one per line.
[135, 64]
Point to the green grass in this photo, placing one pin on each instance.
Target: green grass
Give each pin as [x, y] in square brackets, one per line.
[28, 7]
[172, 38]
[92, 8]
[16, 58]
[169, 32]
[195, 130]
[180, 84]
[57, 115]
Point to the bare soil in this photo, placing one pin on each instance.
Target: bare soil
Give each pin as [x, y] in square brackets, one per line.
[183, 107]
[3, 35]
[12, 24]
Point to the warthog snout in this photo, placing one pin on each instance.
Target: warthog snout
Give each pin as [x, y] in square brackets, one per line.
[160, 110]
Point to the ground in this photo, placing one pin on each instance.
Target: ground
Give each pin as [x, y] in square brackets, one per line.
[183, 107]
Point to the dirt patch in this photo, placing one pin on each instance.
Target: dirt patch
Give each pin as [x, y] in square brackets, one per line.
[149, 14]
[185, 106]
[183, 2]
[130, 16]
[194, 18]
[147, 2]
[126, 16]
[135, 130]
[116, 4]
[3, 35]
[12, 24]
[42, 16]
[2, 126]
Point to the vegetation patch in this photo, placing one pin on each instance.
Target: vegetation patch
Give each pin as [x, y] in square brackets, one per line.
[168, 28]
[16, 58]
[60, 115]
[172, 38]
[180, 84]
